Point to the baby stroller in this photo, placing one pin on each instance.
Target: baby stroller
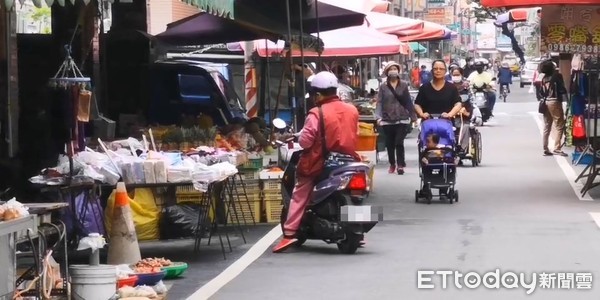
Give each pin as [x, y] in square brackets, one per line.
[437, 164]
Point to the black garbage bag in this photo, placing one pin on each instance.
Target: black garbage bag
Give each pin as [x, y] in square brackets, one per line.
[181, 221]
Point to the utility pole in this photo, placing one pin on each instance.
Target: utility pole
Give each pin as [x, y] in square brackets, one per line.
[412, 8]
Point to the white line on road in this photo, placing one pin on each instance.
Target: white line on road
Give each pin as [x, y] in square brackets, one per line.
[236, 268]
[562, 162]
[596, 217]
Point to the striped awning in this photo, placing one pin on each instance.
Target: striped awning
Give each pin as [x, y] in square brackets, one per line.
[221, 8]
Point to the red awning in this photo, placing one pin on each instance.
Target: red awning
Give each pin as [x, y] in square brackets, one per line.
[393, 24]
[534, 3]
[431, 32]
[347, 42]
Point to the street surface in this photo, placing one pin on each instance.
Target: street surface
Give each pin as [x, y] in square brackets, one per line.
[517, 212]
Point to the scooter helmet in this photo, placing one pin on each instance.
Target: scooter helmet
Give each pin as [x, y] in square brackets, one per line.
[323, 81]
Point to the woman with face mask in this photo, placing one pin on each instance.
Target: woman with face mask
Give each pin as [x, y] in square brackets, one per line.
[394, 112]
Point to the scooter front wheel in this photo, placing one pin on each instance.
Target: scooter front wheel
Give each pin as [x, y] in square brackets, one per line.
[350, 244]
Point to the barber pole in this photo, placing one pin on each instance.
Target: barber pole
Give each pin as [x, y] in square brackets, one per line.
[250, 80]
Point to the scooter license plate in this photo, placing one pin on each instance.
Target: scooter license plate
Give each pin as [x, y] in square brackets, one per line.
[361, 214]
[479, 95]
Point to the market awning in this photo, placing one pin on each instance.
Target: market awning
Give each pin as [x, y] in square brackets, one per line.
[431, 32]
[204, 28]
[393, 24]
[368, 42]
[363, 6]
[257, 11]
[513, 15]
[417, 48]
[220, 8]
[532, 3]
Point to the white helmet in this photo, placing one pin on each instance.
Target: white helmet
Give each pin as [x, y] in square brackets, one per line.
[324, 80]
[310, 78]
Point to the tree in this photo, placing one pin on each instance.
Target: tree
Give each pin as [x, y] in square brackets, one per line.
[42, 17]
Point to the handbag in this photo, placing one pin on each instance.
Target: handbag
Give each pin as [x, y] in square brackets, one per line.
[543, 108]
[393, 90]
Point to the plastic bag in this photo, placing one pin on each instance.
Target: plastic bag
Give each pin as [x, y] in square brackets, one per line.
[145, 214]
[91, 220]
[181, 221]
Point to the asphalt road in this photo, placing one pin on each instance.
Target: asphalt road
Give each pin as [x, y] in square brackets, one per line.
[517, 213]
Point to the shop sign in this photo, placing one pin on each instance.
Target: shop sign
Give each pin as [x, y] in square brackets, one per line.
[436, 3]
[436, 15]
[571, 29]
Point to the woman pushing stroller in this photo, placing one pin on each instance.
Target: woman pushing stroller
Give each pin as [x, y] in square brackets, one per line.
[439, 97]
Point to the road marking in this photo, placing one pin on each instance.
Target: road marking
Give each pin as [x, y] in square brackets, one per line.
[236, 268]
[562, 162]
[596, 217]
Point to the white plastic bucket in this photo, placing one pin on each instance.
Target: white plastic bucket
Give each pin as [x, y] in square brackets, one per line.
[93, 282]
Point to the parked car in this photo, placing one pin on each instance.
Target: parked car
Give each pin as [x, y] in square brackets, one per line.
[192, 87]
[528, 72]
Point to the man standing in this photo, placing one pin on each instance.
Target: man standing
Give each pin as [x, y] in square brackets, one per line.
[340, 122]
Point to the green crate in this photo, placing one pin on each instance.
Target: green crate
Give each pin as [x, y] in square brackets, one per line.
[253, 164]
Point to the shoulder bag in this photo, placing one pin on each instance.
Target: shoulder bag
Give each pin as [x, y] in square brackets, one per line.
[542, 108]
[393, 90]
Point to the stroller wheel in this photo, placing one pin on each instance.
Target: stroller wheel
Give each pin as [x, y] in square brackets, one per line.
[417, 196]
[456, 196]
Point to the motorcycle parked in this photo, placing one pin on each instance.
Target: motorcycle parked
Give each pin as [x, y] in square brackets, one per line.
[335, 213]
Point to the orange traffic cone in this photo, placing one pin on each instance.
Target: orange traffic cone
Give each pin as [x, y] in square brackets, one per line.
[123, 246]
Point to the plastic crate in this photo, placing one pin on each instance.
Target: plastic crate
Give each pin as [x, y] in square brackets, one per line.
[253, 164]
[244, 213]
[272, 185]
[249, 175]
[273, 205]
[366, 143]
[251, 186]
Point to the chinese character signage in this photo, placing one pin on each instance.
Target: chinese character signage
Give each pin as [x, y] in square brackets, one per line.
[418, 5]
[436, 15]
[436, 3]
[571, 29]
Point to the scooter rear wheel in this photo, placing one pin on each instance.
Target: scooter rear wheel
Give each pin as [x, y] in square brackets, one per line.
[350, 244]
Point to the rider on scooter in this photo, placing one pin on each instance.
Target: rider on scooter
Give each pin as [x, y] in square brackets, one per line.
[483, 79]
[340, 121]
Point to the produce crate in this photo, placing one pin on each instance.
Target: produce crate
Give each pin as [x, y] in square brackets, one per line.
[366, 142]
[252, 186]
[187, 194]
[249, 174]
[253, 164]
[273, 205]
[272, 185]
[244, 212]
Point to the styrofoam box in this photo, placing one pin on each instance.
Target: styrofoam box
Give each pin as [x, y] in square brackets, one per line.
[265, 175]
[371, 155]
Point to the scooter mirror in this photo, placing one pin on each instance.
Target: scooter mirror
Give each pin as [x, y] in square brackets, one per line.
[279, 123]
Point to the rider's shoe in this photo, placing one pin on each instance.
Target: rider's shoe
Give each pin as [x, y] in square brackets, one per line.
[284, 244]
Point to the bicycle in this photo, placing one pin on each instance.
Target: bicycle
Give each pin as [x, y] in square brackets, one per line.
[504, 92]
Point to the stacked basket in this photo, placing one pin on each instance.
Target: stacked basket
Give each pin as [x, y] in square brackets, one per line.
[250, 190]
[271, 195]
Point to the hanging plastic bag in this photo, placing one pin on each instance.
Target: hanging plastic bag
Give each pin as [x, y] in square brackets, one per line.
[146, 215]
[578, 127]
[531, 89]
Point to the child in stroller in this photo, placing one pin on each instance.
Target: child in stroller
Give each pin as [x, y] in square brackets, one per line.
[438, 160]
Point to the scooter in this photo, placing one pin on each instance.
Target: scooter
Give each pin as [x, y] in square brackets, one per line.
[481, 102]
[335, 213]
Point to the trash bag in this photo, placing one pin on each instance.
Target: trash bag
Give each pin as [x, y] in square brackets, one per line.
[87, 218]
[146, 215]
[181, 221]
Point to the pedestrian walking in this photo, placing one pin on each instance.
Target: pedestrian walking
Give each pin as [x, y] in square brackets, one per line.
[551, 93]
[394, 112]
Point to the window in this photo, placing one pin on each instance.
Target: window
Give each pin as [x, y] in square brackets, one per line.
[33, 20]
[531, 66]
[232, 98]
[194, 89]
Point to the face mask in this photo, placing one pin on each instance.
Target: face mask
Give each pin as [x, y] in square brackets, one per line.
[394, 74]
[479, 71]
[457, 79]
